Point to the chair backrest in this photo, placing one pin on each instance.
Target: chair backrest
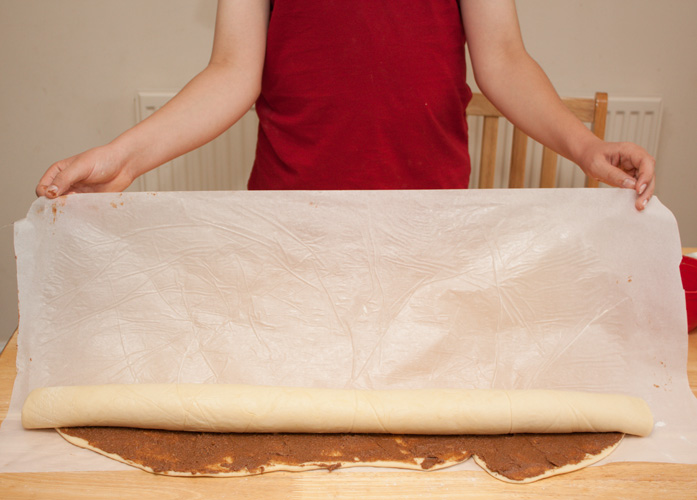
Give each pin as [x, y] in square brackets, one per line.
[592, 111]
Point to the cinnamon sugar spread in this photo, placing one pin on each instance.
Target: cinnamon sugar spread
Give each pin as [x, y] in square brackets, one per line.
[521, 456]
[215, 453]
[200, 453]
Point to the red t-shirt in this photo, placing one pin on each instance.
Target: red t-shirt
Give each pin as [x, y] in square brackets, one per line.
[363, 94]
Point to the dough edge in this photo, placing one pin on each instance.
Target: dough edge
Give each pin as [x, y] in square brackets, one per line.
[236, 408]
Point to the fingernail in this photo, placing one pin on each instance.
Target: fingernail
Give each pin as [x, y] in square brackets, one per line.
[628, 183]
[642, 189]
[52, 190]
[643, 203]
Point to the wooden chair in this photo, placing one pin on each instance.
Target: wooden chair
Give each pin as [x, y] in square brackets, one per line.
[593, 111]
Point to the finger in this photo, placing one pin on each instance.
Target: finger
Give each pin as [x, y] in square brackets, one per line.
[646, 174]
[642, 166]
[46, 181]
[643, 199]
[40, 190]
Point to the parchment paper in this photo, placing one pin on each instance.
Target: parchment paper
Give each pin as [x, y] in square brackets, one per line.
[561, 289]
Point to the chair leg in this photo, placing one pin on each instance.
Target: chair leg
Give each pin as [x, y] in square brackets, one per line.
[487, 165]
[548, 174]
[516, 177]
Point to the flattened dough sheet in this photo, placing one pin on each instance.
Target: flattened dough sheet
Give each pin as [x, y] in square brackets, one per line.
[246, 408]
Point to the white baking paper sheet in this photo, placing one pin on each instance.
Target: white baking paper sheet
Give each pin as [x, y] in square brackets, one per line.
[562, 289]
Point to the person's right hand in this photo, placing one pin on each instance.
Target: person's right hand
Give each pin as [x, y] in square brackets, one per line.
[100, 169]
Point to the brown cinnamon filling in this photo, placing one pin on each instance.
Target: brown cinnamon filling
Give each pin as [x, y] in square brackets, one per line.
[522, 456]
[516, 456]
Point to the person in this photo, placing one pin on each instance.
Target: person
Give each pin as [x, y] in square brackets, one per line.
[356, 95]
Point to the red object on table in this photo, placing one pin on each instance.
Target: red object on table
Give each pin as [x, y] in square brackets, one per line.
[688, 272]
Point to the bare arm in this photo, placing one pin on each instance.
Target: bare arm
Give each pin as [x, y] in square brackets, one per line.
[519, 88]
[207, 106]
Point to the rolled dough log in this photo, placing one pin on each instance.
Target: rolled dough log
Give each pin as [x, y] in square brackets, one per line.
[243, 408]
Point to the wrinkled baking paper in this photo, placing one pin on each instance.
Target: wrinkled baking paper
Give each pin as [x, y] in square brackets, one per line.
[515, 289]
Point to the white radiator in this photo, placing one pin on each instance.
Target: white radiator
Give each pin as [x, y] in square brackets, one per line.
[222, 164]
[225, 163]
[633, 119]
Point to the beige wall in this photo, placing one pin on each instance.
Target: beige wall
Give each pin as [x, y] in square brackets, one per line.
[70, 70]
[636, 48]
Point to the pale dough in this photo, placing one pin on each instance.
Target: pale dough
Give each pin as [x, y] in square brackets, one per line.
[243, 408]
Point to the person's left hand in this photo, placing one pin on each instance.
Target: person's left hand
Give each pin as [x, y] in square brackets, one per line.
[622, 164]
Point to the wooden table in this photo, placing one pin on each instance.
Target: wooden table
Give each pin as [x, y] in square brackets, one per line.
[618, 480]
